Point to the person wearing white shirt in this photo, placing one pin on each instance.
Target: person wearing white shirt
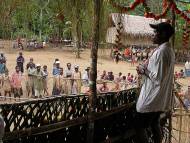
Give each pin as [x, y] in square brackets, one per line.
[156, 92]
[187, 65]
[85, 77]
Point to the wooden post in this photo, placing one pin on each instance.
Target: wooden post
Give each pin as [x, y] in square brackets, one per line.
[173, 43]
[93, 71]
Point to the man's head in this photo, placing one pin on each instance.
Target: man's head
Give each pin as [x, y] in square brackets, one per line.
[163, 32]
[120, 73]
[45, 67]
[38, 67]
[76, 68]
[31, 60]
[61, 71]
[20, 53]
[69, 66]
[87, 69]
[57, 63]
[17, 69]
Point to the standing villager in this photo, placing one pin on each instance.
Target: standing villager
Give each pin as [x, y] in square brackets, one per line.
[86, 77]
[3, 58]
[38, 81]
[30, 79]
[59, 83]
[67, 81]
[16, 81]
[30, 63]
[55, 72]
[7, 84]
[45, 79]
[76, 88]
[156, 92]
[2, 72]
[20, 62]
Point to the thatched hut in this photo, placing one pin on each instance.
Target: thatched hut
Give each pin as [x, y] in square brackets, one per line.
[130, 30]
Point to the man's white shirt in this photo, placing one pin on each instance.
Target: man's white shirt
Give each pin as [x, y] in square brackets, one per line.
[156, 92]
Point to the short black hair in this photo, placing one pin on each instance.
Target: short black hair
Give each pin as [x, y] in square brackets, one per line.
[164, 27]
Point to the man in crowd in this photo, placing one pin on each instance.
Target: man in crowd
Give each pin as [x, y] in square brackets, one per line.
[76, 88]
[59, 83]
[30, 63]
[156, 92]
[38, 81]
[2, 72]
[3, 58]
[103, 76]
[110, 76]
[45, 79]
[20, 62]
[55, 72]
[86, 76]
[68, 83]
[16, 81]
[30, 78]
[56, 68]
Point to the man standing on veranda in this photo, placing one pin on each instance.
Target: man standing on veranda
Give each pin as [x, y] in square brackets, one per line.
[156, 93]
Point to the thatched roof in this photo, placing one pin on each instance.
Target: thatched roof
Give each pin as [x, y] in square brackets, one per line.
[134, 27]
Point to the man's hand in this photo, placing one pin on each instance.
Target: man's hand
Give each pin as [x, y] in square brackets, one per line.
[140, 69]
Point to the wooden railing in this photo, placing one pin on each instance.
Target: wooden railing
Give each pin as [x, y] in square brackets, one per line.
[65, 118]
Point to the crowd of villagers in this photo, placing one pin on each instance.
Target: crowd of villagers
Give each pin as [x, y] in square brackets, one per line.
[66, 81]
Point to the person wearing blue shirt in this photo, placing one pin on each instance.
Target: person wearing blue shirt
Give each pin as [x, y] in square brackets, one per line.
[56, 68]
[56, 72]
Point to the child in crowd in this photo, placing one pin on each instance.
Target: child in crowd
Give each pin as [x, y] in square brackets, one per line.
[7, 85]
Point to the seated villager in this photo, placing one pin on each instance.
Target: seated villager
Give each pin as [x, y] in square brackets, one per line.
[103, 88]
[103, 75]
[110, 76]
[16, 82]
[116, 87]
[119, 77]
[124, 83]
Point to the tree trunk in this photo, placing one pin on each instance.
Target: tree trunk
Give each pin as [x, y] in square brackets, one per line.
[78, 32]
[93, 71]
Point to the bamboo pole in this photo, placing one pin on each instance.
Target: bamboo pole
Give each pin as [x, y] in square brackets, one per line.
[180, 124]
[93, 71]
